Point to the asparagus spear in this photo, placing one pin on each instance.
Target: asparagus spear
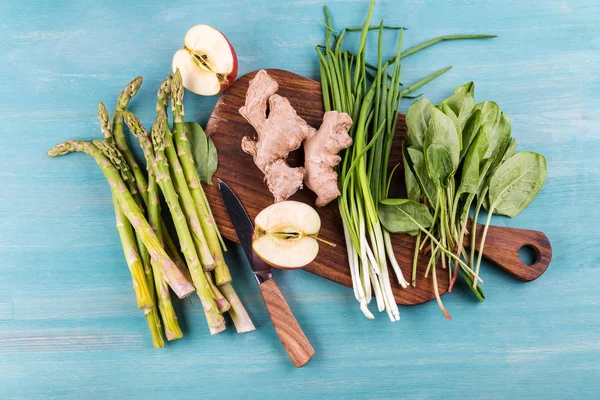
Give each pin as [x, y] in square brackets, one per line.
[187, 203]
[174, 277]
[154, 152]
[128, 237]
[182, 189]
[172, 329]
[106, 129]
[119, 136]
[128, 178]
[238, 313]
[222, 274]
[153, 276]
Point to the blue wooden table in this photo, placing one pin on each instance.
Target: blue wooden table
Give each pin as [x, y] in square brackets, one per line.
[69, 327]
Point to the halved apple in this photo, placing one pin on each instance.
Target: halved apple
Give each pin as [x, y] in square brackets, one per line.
[285, 234]
[208, 63]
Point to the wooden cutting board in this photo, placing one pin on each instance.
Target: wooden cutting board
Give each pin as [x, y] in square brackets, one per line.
[227, 127]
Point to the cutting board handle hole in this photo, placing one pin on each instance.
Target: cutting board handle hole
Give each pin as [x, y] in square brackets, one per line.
[529, 254]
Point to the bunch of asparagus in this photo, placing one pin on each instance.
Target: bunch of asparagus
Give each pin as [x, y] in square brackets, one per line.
[151, 253]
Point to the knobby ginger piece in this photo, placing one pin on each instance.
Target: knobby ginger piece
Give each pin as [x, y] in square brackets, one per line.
[321, 150]
[278, 135]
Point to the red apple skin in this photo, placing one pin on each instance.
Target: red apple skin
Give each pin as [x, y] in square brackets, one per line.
[233, 74]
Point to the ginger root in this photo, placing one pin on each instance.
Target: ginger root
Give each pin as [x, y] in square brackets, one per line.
[282, 132]
[321, 150]
[277, 135]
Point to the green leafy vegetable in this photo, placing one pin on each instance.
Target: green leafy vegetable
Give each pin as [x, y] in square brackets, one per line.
[417, 121]
[517, 182]
[404, 215]
[459, 153]
[203, 151]
[441, 148]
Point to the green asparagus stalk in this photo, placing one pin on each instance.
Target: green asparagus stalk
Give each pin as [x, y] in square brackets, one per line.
[184, 153]
[153, 276]
[173, 276]
[155, 152]
[172, 329]
[187, 203]
[119, 135]
[118, 139]
[133, 258]
[173, 86]
[160, 164]
[126, 175]
[126, 233]
[237, 311]
[142, 293]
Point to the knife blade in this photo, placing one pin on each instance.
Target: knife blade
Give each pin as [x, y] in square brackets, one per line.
[244, 230]
[289, 331]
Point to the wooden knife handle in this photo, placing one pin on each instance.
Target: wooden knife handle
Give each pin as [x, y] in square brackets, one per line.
[291, 335]
[502, 247]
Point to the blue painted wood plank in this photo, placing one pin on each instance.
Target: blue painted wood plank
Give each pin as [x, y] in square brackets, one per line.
[69, 328]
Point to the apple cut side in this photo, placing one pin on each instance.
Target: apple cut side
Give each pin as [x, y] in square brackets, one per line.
[207, 63]
[285, 235]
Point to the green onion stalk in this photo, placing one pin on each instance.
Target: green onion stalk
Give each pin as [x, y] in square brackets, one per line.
[371, 95]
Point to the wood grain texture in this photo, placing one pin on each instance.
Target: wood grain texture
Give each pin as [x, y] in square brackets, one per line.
[69, 327]
[502, 246]
[289, 331]
[227, 128]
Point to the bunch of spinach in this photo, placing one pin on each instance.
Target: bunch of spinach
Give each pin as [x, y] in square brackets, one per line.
[458, 154]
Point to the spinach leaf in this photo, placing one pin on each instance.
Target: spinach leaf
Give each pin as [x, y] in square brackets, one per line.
[499, 139]
[462, 104]
[417, 121]
[413, 190]
[441, 148]
[203, 151]
[445, 108]
[511, 147]
[213, 161]
[420, 170]
[470, 130]
[516, 183]
[470, 178]
[490, 113]
[510, 150]
[468, 87]
[404, 216]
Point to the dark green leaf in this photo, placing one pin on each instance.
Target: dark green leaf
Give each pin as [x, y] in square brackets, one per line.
[468, 87]
[404, 216]
[445, 108]
[413, 190]
[462, 104]
[417, 120]
[516, 183]
[203, 150]
[213, 161]
[420, 170]
[471, 164]
[470, 130]
[441, 148]
[499, 139]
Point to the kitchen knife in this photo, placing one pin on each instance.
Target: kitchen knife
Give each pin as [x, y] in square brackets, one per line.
[291, 335]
